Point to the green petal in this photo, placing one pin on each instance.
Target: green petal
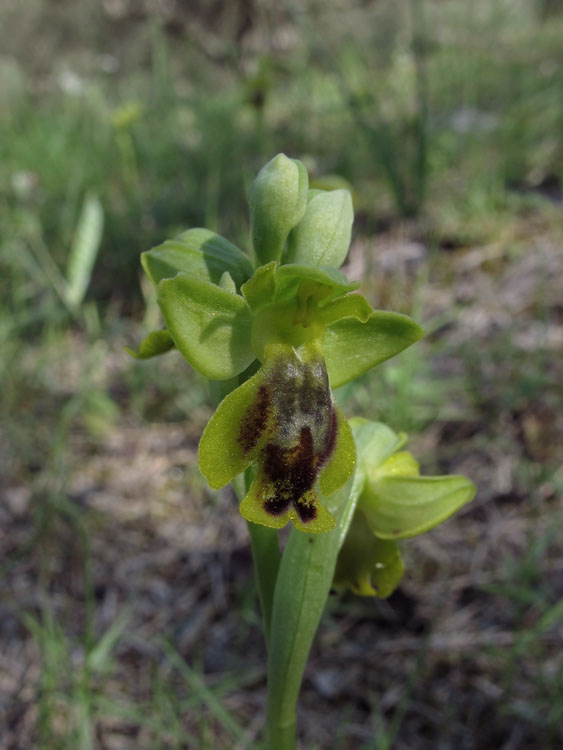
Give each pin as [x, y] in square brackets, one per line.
[367, 565]
[351, 347]
[400, 507]
[350, 306]
[290, 277]
[259, 290]
[322, 237]
[210, 326]
[375, 444]
[200, 252]
[157, 342]
[341, 464]
[235, 433]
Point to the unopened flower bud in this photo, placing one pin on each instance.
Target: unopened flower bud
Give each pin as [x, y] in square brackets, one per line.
[278, 199]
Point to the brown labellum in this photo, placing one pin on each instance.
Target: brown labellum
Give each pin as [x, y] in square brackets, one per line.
[294, 405]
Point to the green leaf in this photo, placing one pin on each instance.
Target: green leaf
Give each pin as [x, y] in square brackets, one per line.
[210, 326]
[367, 565]
[329, 282]
[278, 199]
[157, 342]
[398, 507]
[351, 347]
[224, 449]
[199, 252]
[322, 237]
[84, 250]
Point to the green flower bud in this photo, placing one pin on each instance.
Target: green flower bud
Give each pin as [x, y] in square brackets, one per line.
[278, 199]
[322, 237]
[394, 502]
[369, 566]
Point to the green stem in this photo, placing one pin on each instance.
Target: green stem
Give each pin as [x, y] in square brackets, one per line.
[299, 602]
[302, 587]
[266, 556]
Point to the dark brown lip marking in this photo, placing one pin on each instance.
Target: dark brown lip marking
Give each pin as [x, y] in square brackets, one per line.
[331, 437]
[306, 511]
[295, 405]
[255, 420]
[277, 506]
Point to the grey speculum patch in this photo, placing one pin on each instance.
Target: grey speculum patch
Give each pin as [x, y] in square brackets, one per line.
[294, 404]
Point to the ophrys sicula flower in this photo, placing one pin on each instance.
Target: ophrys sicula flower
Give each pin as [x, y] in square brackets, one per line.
[299, 327]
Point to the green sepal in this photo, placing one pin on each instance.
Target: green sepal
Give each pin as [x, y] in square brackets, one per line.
[155, 343]
[260, 289]
[351, 347]
[367, 565]
[324, 282]
[341, 464]
[210, 326]
[278, 199]
[322, 237]
[397, 507]
[200, 252]
[221, 454]
[402, 464]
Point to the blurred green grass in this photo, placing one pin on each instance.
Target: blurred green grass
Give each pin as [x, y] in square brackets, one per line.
[446, 118]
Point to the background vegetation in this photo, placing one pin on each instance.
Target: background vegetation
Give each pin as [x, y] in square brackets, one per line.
[128, 614]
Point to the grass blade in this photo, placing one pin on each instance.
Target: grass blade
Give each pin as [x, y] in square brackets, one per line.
[87, 240]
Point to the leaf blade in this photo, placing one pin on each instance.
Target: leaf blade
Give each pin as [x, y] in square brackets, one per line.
[84, 250]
